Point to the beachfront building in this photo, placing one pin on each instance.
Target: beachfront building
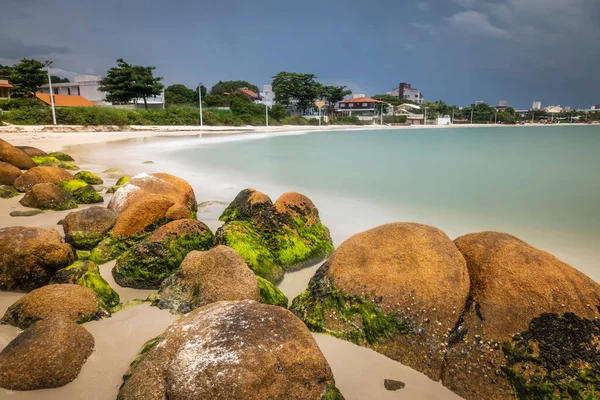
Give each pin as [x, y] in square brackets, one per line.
[61, 100]
[553, 109]
[5, 89]
[411, 112]
[267, 96]
[252, 96]
[359, 106]
[537, 105]
[405, 91]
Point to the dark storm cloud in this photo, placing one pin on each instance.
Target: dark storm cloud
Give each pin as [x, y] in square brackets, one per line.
[13, 49]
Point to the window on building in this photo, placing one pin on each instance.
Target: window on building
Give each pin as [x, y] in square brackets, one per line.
[69, 91]
[365, 104]
[78, 92]
[55, 91]
[351, 105]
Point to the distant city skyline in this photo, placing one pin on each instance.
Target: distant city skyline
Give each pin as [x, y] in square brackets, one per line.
[452, 50]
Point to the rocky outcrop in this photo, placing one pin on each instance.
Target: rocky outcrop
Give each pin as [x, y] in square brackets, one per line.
[8, 173]
[48, 354]
[159, 184]
[31, 151]
[48, 196]
[44, 161]
[512, 286]
[89, 178]
[270, 294]
[61, 156]
[82, 192]
[398, 289]
[30, 256]
[87, 274]
[80, 304]
[86, 228]
[41, 175]
[274, 238]
[155, 258]
[11, 155]
[206, 277]
[231, 350]
[122, 180]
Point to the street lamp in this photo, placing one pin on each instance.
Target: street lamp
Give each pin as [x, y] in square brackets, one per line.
[48, 64]
[200, 102]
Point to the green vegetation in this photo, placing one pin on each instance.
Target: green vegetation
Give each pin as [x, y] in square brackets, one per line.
[26, 77]
[300, 89]
[346, 121]
[68, 165]
[332, 393]
[126, 82]
[87, 274]
[8, 192]
[396, 119]
[558, 357]
[122, 180]
[149, 345]
[45, 160]
[87, 195]
[89, 178]
[72, 185]
[270, 294]
[112, 247]
[229, 86]
[61, 156]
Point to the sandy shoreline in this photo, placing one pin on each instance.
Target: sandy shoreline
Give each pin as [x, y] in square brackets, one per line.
[359, 372]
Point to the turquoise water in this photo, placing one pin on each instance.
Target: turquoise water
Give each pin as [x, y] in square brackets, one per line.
[539, 183]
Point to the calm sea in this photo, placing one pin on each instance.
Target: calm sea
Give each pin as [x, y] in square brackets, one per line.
[541, 184]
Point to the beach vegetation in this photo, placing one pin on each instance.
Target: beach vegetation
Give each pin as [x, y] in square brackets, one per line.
[126, 82]
[346, 121]
[300, 90]
[27, 77]
[394, 119]
[179, 94]
[220, 88]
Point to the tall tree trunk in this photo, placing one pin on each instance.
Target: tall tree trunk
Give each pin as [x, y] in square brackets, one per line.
[145, 103]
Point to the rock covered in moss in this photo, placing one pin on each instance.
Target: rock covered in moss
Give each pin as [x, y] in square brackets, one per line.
[512, 284]
[45, 161]
[47, 196]
[155, 258]
[82, 192]
[398, 289]
[32, 151]
[205, 277]
[72, 185]
[87, 274]
[41, 175]
[11, 155]
[89, 178]
[61, 156]
[80, 304]
[122, 180]
[86, 228]
[8, 173]
[8, 192]
[69, 166]
[48, 354]
[30, 256]
[274, 238]
[270, 294]
[113, 172]
[231, 350]
[142, 185]
[111, 247]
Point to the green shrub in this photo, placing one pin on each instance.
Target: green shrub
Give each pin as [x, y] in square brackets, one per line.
[396, 119]
[346, 121]
[294, 121]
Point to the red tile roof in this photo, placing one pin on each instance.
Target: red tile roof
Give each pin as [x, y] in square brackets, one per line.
[61, 100]
[8, 85]
[247, 92]
[362, 100]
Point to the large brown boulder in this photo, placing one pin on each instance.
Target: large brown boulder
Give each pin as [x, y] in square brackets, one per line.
[140, 186]
[80, 304]
[231, 350]
[86, 228]
[32, 151]
[48, 196]
[41, 175]
[512, 285]
[205, 277]
[8, 173]
[10, 154]
[48, 354]
[398, 289]
[30, 256]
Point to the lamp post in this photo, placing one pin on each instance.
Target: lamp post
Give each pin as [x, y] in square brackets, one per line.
[200, 102]
[48, 64]
[471, 117]
[496, 117]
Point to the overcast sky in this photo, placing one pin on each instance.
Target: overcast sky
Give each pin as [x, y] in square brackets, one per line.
[456, 50]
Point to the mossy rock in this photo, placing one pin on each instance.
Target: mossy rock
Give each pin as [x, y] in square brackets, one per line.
[68, 165]
[270, 294]
[112, 247]
[87, 195]
[87, 274]
[86, 228]
[47, 196]
[8, 192]
[122, 180]
[154, 259]
[72, 185]
[61, 156]
[45, 161]
[83, 255]
[332, 393]
[89, 178]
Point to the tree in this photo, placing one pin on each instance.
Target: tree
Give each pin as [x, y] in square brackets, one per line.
[27, 77]
[58, 79]
[334, 94]
[179, 94]
[126, 82]
[229, 86]
[301, 89]
[196, 99]
[5, 71]
[482, 113]
[216, 100]
[277, 112]
[393, 100]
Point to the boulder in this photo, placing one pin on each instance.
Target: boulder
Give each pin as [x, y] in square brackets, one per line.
[86, 228]
[41, 175]
[45, 161]
[48, 354]
[87, 274]
[80, 304]
[398, 289]
[8, 192]
[122, 180]
[270, 294]
[11, 155]
[28, 213]
[275, 238]
[140, 186]
[61, 156]
[205, 277]
[153, 259]
[47, 196]
[30, 256]
[87, 195]
[89, 177]
[68, 165]
[114, 172]
[8, 173]
[32, 151]
[231, 350]
[512, 285]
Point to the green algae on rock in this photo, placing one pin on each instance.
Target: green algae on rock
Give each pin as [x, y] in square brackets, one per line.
[274, 238]
[46, 161]
[112, 247]
[86, 228]
[332, 393]
[61, 156]
[47, 196]
[89, 178]
[68, 165]
[8, 192]
[122, 180]
[72, 185]
[87, 274]
[82, 192]
[152, 260]
[270, 294]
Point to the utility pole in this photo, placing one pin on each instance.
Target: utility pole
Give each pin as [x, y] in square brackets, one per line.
[381, 123]
[267, 113]
[319, 112]
[471, 117]
[164, 100]
[496, 117]
[425, 120]
[453, 116]
[200, 102]
[48, 64]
